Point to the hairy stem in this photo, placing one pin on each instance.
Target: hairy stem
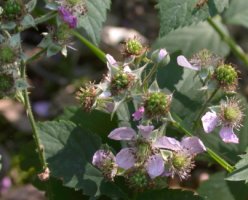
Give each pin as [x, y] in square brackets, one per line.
[98, 52]
[210, 152]
[235, 48]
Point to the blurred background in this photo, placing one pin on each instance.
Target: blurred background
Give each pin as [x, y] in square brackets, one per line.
[55, 80]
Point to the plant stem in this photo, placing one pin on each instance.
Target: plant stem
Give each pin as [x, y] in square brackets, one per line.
[98, 52]
[45, 17]
[214, 155]
[35, 56]
[204, 107]
[31, 119]
[149, 76]
[235, 48]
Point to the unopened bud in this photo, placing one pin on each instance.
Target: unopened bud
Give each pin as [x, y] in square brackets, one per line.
[161, 56]
[7, 54]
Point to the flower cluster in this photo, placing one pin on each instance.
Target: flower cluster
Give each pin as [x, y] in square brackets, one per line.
[149, 156]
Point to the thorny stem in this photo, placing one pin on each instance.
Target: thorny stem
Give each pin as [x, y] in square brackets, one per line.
[204, 107]
[236, 49]
[214, 155]
[30, 115]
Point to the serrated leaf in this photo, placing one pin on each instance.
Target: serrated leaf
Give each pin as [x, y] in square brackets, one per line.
[241, 171]
[237, 13]
[170, 194]
[95, 16]
[68, 150]
[193, 39]
[28, 21]
[217, 188]
[180, 13]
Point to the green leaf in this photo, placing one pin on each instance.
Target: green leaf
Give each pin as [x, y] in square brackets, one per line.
[95, 16]
[217, 188]
[241, 172]
[237, 13]
[180, 13]
[28, 21]
[68, 150]
[170, 194]
[31, 5]
[194, 38]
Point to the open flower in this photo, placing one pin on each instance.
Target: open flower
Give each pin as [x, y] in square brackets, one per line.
[180, 162]
[141, 151]
[68, 17]
[229, 116]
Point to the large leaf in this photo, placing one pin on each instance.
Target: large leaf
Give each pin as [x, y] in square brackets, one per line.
[241, 172]
[180, 13]
[194, 38]
[237, 13]
[221, 5]
[96, 15]
[168, 194]
[68, 151]
[217, 188]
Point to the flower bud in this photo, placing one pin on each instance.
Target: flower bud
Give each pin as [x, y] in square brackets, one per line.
[121, 81]
[161, 57]
[133, 47]
[226, 76]
[7, 54]
[137, 179]
[13, 9]
[157, 104]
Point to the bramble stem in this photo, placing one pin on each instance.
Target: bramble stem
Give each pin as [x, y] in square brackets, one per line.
[235, 48]
[212, 154]
[204, 107]
[98, 52]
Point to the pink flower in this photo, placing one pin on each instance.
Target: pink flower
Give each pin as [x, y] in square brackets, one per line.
[210, 122]
[68, 17]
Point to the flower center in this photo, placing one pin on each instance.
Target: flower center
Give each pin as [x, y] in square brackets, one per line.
[231, 114]
[179, 161]
[134, 46]
[143, 150]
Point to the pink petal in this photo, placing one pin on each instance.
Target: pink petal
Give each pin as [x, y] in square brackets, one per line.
[182, 61]
[100, 156]
[155, 166]
[125, 158]
[137, 115]
[228, 136]
[145, 131]
[209, 121]
[123, 133]
[167, 143]
[193, 145]
[111, 60]
[162, 54]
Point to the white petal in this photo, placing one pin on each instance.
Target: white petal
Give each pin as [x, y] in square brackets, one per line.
[155, 166]
[209, 121]
[228, 136]
[193, 145]
[167, 143]
[182, 61]
[125, 158]
[123, 133]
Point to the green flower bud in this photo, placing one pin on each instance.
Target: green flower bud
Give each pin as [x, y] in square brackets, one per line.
[133, 47]
[12, 9]
[7, 54]
[157, 104]
[138, 179]
[120, 82]
[227, 76]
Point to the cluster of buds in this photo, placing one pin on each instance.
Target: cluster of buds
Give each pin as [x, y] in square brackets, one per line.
[211, 68]
[70, 10]
[149, 157]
